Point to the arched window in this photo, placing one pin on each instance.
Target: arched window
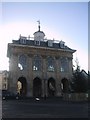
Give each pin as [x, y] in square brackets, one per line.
[22, 86]
[51, 87]
[64, 64]
[22, 62]
[37, 63]
[37, 87]
[65, 85]
[50, 64]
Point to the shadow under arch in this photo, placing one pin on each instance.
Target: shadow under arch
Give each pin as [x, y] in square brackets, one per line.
[37, 87]
[65, 85]
[51, 87]
[22, 86]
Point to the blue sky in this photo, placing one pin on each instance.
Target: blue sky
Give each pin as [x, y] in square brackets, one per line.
[59, 20]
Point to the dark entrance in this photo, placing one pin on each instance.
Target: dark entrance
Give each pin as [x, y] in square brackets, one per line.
[65, 85]
[37, 87]
[51, 87]
[22, 86]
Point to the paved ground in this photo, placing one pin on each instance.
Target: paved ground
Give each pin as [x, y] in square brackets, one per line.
[49, 108]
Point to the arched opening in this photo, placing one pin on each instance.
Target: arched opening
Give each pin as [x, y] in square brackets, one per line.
[65, 85]
[22, 86]
[51, 87]
[37, 87]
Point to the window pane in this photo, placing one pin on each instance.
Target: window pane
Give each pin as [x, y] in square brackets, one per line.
[64, 65]
[50, 64]
[22, 62]
[37, 63]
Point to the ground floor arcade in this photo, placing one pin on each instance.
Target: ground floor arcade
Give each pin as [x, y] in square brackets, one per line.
[41, 88]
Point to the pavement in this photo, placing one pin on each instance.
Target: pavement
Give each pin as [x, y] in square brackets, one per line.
[49, 108]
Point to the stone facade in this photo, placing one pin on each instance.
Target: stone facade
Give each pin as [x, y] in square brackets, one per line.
[4, 80]
[37, 68]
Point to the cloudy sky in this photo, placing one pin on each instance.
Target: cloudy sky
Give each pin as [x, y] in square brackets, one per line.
[67, 21]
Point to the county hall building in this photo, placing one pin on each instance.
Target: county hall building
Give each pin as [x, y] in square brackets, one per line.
[39, 67]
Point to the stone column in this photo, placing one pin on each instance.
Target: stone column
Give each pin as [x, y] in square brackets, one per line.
[28, 88]
[44, 76]
[13, 73]
[70, 66]
[30, 77]
[58, 80]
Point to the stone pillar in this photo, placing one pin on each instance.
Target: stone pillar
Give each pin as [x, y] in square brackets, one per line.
[70, 69]
[70, 66]
[58, 77]
[44, 76]
[13, 73]
[28, 88]
[30, 77]
[43, 87]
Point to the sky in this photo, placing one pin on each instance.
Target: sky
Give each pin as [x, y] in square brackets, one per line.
[67, 21]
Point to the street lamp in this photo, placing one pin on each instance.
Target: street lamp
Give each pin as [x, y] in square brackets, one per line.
[45, 88]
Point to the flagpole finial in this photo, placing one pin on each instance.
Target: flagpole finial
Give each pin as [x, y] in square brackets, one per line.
[38, 24]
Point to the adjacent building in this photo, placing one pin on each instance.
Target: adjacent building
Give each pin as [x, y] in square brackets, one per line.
[4, 80]
[39, 67]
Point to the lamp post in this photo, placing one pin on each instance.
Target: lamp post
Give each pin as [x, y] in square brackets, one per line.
[45, 88]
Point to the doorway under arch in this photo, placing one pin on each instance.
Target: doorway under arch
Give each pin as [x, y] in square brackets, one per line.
[65, 85]
[22, 86]
[51, 87]
[37, 87]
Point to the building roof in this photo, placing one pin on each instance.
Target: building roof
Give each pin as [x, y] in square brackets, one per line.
[39, 41]
[43, 44]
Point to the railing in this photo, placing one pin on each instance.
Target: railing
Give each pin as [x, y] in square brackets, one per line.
[75, 96]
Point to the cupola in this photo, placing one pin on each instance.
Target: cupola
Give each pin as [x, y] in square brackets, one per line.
[39, 35]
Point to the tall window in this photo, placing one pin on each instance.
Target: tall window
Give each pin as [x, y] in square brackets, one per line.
[50, 64]
[37, 63]
[64, 64]
[22, 62]
[4, 86]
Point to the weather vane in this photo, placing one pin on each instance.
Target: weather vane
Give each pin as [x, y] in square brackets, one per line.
[38, 24]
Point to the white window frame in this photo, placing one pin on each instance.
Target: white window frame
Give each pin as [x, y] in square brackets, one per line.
[37, 42]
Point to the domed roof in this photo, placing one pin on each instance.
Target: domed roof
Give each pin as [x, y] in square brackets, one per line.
[40, 32]
[39, 35]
